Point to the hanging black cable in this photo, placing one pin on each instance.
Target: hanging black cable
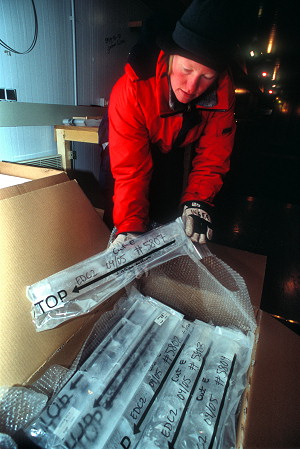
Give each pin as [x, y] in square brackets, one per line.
[34, 37]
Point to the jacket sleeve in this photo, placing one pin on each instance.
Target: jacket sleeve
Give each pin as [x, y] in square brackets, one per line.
[212, 157]
[130, 157]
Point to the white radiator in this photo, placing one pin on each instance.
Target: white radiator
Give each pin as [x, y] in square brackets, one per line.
[46, 161]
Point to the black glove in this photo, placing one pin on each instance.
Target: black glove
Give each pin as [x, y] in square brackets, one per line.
[196, 217]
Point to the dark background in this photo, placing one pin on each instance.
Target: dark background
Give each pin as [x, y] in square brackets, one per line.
[258, 209]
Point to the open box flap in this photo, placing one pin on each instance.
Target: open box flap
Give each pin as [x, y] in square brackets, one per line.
[26, 171]
[41, 232]
[273, 413]
[35, 178]
[271, 409]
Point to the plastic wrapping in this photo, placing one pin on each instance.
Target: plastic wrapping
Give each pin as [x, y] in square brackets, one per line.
[203, 393]
[148, 376]
[99, 391]
[156, 380]
[6, 442]
[18, 406]
[81, 287]
[53, 379]
[81, 121]
[206, 288]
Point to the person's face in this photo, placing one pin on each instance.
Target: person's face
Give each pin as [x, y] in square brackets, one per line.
[189, 79]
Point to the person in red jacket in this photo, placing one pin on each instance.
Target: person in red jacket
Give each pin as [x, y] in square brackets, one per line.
[168, 98]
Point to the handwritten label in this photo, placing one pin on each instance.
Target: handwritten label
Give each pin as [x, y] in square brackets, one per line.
[100, 276]
[113, 41]
[161, 318]
[137, 410]
[51, 302]
[67, 422]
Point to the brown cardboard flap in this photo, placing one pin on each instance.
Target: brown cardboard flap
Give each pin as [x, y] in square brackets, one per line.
[273, 414]
[37, 178]
[42, 232]
[26, 171]
[20, 189]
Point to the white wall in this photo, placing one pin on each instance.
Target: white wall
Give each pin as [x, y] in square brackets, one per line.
[103, 41]
[45, 75]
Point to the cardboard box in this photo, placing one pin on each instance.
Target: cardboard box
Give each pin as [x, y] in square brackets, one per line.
[272, 409]
[37, 178]
[270, 412]
[50, 227]
[46, 225]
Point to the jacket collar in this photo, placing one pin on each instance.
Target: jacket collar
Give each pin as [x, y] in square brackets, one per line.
[219, 98]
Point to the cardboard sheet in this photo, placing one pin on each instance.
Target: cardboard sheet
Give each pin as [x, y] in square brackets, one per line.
[7, 180]
[270, 415]
[42, 232]
[35, 178]
[273, 413]
[47, 225]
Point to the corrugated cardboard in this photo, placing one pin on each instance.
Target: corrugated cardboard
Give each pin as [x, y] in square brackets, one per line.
[37, 178]
[270, 413]
[270, 410]
[50, 227]
[273, 409]
[41, 232]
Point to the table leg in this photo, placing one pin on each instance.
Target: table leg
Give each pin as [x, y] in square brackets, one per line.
[63, 148]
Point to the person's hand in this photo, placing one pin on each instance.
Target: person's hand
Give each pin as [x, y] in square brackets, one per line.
[124, 238]
[196, 217]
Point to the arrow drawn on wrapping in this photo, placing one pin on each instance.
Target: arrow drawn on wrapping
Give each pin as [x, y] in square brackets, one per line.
[109, 273]
[130, 355]
[91, 360]
[222, 403]
[179, 425]
[74, 383]
[109, 402]
[136, 427]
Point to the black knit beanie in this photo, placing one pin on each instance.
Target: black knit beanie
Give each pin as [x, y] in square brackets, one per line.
[205, 33]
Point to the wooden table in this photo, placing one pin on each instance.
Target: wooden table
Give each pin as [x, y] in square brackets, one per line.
[64, 134]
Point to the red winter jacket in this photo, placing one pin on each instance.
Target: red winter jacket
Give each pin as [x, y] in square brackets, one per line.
[139, 114]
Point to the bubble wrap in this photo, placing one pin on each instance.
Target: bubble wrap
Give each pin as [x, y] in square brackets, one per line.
[52, 380]
[6, 442]
[18, 406]
[207, 289]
